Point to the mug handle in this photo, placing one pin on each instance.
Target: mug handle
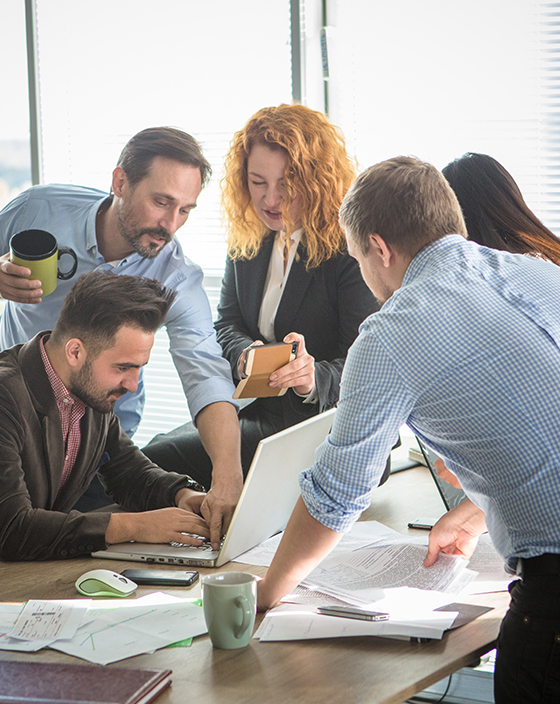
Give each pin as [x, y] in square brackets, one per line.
[72, 253]
[243, 603]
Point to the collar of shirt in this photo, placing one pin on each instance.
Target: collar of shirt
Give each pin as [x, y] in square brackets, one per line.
[61, 393]
[280, 240]
[91, 235]
[276, 278]
[277, 256]
[429, 255]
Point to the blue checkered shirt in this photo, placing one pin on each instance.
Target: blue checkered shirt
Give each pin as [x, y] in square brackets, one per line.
[466, 353]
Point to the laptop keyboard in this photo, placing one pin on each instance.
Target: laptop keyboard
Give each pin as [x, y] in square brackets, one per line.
[205, 547]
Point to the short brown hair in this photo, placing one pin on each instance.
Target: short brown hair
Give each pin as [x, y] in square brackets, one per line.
[406, 201]
[100, 303]
[168, 142]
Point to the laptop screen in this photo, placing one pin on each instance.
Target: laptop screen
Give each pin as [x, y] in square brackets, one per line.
[451, 496]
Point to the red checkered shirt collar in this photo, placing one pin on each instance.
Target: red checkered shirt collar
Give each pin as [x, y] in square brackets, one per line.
[70, 410]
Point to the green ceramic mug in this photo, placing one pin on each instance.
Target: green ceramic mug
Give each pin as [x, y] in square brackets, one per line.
[38, 250]
[230, 606]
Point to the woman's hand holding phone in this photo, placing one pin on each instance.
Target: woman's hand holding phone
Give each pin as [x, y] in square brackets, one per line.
[298, 374]
[242, 357]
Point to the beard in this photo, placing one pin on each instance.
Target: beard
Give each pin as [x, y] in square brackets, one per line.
[83, 385]
[383, 294]
[134, 238]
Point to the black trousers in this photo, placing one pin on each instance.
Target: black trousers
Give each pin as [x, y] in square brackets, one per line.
[181, 450]
[528, 659]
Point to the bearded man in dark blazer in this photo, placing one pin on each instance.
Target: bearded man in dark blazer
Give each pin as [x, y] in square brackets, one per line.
[58, 429]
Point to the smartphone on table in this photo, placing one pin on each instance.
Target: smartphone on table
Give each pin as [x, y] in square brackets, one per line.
[423, 523]
[163, 578]
[353, 612]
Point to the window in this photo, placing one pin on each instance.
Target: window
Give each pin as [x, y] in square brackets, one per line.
[204, 67]
[15, 166]
[439, 78]
[434, 78]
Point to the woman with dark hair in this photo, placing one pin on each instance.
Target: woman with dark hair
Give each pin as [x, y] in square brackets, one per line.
[495, 212]
[288, 275]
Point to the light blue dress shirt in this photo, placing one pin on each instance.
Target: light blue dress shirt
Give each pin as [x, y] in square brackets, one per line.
[466, 353]
[69, 213]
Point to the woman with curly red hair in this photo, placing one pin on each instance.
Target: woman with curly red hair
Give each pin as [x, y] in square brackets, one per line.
[288, 275]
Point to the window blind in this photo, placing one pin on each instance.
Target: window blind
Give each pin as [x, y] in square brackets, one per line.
[434, 79]
[109, 69]
[437, 79]
[548, 184]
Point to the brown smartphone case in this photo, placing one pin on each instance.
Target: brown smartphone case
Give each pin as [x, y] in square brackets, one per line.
[260, 362]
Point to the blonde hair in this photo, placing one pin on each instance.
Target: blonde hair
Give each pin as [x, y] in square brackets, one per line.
[318, 170]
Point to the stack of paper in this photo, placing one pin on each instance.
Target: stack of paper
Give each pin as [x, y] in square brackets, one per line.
[362, 535]
[387, 575]
[411, 615]
[101, 632]
[360, 577]
[489, 566]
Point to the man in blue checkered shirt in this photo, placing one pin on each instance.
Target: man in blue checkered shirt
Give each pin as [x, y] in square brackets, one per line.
[466, 351]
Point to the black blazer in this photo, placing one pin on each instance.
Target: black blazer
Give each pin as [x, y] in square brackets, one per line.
[326, 304]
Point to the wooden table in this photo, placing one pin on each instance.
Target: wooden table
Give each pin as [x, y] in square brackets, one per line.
[363, 670]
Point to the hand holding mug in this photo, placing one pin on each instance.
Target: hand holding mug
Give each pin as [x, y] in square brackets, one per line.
[32, 270]
[15, 284]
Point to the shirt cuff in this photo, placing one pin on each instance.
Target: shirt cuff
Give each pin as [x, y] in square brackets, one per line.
[311, 397]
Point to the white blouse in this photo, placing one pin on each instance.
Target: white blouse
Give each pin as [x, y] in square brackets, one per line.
[278, 272]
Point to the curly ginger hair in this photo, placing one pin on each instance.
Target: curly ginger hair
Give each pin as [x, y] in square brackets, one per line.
[318, 169]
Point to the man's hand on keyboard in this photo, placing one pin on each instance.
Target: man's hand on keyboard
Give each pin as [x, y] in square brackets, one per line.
[218, 506]
[165, 525]
[190, 500]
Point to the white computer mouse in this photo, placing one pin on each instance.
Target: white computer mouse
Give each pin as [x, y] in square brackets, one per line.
[104, 583]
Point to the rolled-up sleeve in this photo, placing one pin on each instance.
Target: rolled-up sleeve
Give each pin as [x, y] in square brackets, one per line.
[204, 373]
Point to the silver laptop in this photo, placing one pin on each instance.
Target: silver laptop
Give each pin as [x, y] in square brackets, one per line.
[266, 503]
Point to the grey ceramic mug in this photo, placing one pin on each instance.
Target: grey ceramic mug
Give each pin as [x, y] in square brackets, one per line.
[230, 605]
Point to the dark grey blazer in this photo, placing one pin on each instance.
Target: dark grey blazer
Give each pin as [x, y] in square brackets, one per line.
[35, 518]
[325, 304]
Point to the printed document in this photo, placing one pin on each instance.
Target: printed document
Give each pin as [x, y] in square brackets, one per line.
[361, 535]
[107, 631]
[362, 575]
[296, 622]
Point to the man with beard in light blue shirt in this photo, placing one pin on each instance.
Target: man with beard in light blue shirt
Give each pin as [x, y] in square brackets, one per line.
[131, 231]
[466, 351]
